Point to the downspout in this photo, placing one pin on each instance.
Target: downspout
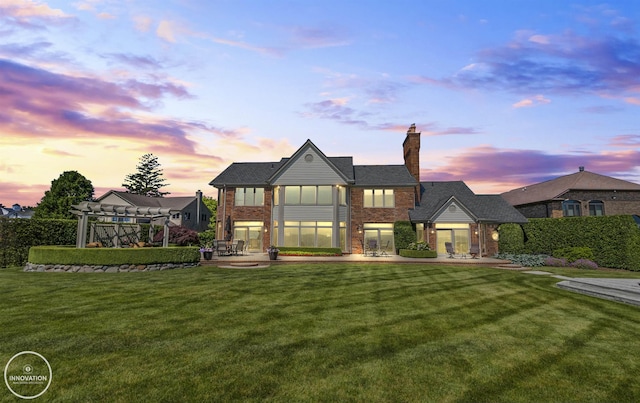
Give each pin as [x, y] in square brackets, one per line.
[224, 209]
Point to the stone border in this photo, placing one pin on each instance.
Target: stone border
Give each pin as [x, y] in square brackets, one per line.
[124, 268]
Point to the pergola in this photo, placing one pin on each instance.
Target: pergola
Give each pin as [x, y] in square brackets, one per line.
[84, 210]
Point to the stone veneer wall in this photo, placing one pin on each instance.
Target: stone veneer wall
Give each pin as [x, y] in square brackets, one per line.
[59, 268]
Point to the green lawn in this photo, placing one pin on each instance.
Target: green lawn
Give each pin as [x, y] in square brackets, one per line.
[320, 332]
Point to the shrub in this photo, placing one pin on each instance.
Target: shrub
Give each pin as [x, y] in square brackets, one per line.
[584, 264]
[404, 234]
[421, 245]
[556, 262]
[179, 235]
[523, 259]
[511, 238]
[571, 254]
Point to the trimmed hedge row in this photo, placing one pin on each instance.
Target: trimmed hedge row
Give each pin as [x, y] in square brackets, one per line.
[112, 256]
[614, 240]
[296, 250]
[418, 253]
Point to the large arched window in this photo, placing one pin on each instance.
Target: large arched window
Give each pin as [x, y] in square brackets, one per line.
[571, 208]
[596, 208]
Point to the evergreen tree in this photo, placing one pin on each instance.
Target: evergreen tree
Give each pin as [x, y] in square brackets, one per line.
[70, 188]
[148, 179]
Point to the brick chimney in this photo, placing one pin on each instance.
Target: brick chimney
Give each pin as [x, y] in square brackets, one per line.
[411, 150]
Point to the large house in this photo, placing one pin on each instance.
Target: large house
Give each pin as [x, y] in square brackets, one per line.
[187, 211]
[582, 193]
[310, 199]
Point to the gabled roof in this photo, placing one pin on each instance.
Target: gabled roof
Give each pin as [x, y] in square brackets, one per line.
[483, 208]
[555, 188]
[246, 174]
[173, 203]
[303, 150]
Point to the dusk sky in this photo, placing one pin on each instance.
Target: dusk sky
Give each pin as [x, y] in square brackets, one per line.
[506, 93]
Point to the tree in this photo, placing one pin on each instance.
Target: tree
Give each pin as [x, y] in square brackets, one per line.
[70, 188]
[148, 179]
[207, 236]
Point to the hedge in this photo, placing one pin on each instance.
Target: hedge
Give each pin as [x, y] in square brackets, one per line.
[614, 240]
[18, 235]
[310, 251]
[418, 253]
[112, 256]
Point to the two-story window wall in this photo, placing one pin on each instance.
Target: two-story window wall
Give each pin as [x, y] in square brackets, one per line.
[310, 216]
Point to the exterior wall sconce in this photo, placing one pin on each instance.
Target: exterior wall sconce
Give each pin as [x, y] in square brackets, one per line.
[359, 229]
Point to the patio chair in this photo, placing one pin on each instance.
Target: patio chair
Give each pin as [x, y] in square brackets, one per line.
[385, 251]
[474, 251]
[373, 247]
[450, 251]
[239, 248]
[221, 248]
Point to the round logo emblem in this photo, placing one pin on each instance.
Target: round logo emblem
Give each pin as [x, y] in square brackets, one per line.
[28, 375]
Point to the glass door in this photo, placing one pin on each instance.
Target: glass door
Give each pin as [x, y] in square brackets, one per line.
[457, 234]
[250, 232]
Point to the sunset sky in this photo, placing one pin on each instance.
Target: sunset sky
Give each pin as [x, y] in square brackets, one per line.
[506, 93]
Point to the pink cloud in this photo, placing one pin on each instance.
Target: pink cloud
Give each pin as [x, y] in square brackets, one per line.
[38, 103]
[502, 169]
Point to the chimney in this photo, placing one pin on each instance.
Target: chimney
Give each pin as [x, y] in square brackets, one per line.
[581, 169]
[411, 150]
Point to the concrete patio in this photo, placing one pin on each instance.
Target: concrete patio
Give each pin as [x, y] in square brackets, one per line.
[263, 258]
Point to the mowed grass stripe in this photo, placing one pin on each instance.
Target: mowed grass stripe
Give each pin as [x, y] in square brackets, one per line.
[321, 332]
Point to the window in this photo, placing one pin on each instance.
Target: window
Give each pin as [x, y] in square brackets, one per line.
[379, 198]
[571, 208]
[308, 233]
[596, 208]
[308, 195]
[249, 197]
[187, 216]
[342, 196]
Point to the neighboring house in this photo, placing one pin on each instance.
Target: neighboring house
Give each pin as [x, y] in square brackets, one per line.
[313, 200]
[15, 211]
[189, 211]
[582, 193]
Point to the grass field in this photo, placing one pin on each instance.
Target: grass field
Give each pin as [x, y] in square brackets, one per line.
[321, 332]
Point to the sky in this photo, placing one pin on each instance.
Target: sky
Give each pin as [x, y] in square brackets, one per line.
[505, 93]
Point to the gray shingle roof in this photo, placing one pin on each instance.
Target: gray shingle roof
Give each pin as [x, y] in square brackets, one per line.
[555, 188]
[486, 208]
[383, 175]
[174, 203]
